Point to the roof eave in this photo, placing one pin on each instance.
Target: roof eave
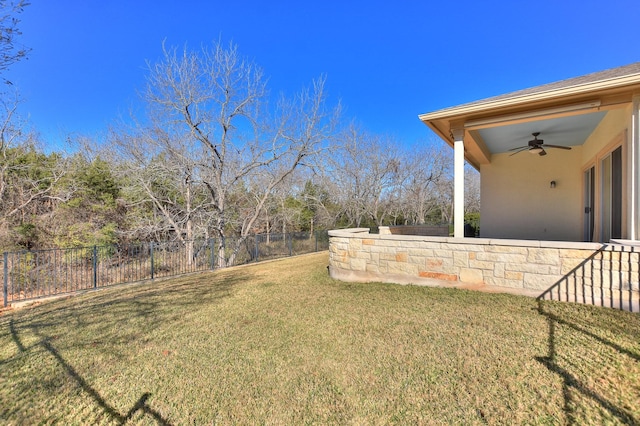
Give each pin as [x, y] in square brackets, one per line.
[467, 109]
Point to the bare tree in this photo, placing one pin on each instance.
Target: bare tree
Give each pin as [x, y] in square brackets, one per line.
[366, 173]
[11, 51]
[426, 183]
[471, 191]
[209, 109]
[29, 179]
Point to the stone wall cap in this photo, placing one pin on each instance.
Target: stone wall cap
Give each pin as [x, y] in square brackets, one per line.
[347, 232]
[621, 242]
[572, 245]
[468, 240]
[518, 243]
[575, 245]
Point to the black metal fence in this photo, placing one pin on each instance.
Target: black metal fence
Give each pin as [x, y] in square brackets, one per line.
[609, 277]
[34, 274]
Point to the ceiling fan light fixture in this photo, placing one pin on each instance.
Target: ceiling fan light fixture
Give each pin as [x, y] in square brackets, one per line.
[535, 150]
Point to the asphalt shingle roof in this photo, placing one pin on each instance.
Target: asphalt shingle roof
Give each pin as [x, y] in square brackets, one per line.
[609, 74]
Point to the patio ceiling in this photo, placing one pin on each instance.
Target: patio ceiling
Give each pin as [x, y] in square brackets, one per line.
[564, 113]
[563, 131]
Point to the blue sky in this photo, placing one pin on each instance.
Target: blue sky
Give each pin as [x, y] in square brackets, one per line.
[386, 61]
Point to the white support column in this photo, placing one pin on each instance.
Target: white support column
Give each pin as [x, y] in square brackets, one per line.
[634, 172]
[458, 174]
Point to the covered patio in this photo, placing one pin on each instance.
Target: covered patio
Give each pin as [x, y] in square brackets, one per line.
[560, 170]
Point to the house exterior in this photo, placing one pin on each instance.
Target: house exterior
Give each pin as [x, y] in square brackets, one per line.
[594, 195]
[565, 209]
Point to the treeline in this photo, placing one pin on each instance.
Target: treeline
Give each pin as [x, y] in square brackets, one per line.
[214, 155]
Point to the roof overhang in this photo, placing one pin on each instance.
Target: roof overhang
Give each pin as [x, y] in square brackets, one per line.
[550, 102]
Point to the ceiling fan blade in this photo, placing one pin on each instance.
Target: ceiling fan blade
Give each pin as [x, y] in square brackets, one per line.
[557, 146]
[519, 148]
[522, 148]
[543, 152]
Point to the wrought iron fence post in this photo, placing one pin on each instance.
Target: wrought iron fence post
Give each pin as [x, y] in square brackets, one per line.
[95, 266]
[212, 257]
[5, 285]
[257, 248]
[290, 243]
[316, 235]
[151, 253]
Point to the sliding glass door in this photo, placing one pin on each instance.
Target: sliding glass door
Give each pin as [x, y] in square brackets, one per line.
[589, 203]
[611, 199]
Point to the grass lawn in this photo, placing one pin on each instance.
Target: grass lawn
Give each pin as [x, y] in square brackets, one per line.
[282, 343]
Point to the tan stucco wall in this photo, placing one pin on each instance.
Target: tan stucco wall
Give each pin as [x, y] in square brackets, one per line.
[611, 125]
[588, 270]
[518, 202]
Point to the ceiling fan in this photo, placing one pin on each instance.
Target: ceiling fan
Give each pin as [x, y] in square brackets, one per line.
[535, 146]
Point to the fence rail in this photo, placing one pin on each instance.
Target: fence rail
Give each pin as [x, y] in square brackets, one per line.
[28, 275]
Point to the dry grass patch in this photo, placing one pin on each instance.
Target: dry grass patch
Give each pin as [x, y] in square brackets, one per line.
[282, 343]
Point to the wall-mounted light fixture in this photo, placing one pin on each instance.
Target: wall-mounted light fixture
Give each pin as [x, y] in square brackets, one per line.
[553, 184]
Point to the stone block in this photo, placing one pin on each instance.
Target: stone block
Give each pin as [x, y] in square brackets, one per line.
[418, 260]
[368, 242]
[575, 254]
[337, 248]
[472, 276]
[544, 256]
[433, 263]
[372, 268]
[443, 253]
[388, 256]
[498, 270]
[363, 255]
[438, 275]
[513, 275]
[506, 249]
[412, 244]
[527, 268]
[478, 264]
[377, 249]
[447, 265]
[502, 257]
[401, 257]
[420, 252]
[358, 264]
[540, 281]
[392, 243]
[571, 263]
[339, 240]
[343, 265]
[461, 259]
[431, 245]
[463, 247]
[402, 268]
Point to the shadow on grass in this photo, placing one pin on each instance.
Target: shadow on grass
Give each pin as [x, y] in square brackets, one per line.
[140, 405]
[147, 306]
[571, 382]
[111, 320]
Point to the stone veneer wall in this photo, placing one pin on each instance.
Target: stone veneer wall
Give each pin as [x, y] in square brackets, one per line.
[578, 268]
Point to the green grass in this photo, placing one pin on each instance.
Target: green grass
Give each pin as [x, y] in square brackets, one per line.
[282, 343]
